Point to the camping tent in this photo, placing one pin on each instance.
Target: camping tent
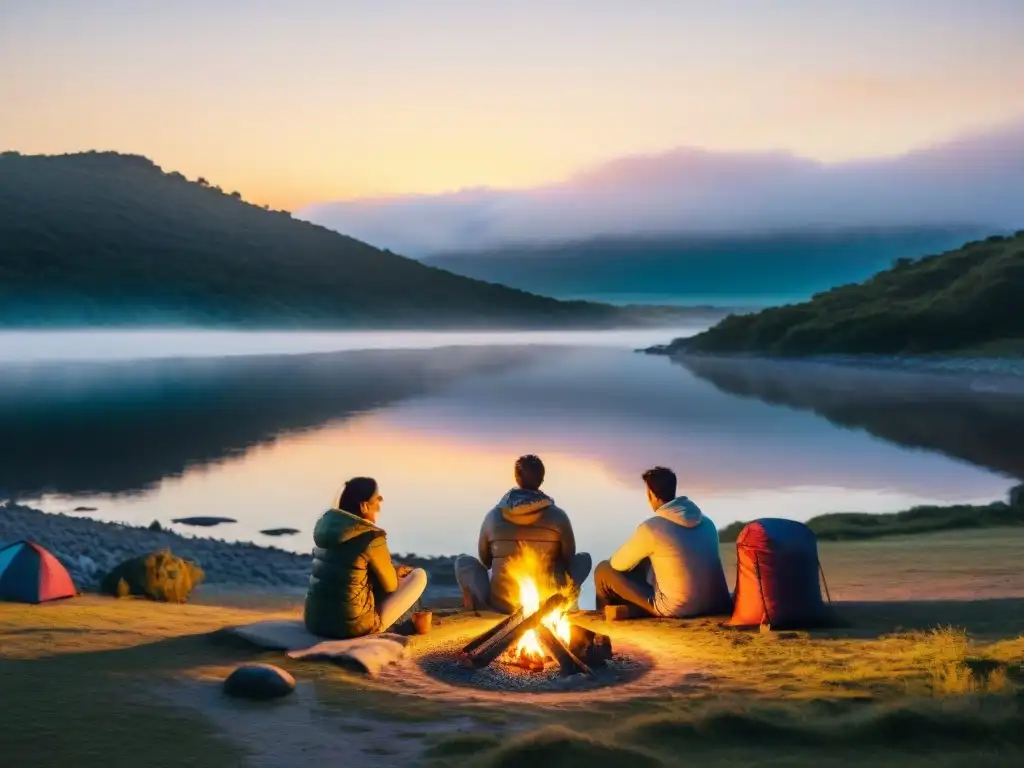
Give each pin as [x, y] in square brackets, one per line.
[30, 574]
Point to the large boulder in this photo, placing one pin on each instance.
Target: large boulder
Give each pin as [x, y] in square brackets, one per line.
[259, 681]
[159, 576]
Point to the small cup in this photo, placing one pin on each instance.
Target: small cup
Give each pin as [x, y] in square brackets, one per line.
[421, 621]
[616, 612]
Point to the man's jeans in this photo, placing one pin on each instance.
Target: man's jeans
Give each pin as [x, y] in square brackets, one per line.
[624, 588]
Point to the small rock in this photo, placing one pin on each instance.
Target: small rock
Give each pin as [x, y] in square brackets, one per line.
[259, 681]
[84, 509]
[280, 531]
[204, 522]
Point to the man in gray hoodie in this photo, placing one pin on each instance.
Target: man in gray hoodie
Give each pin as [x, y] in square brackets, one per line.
[671, 565]
[524, 517]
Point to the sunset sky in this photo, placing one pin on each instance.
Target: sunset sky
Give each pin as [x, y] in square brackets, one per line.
[312, 100]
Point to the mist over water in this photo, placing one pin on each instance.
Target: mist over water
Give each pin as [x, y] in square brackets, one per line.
[153, 426]
[40, 346]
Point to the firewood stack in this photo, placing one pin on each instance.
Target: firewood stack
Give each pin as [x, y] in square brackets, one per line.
[585, 651]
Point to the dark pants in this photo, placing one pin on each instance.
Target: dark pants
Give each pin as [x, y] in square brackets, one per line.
[624, 588]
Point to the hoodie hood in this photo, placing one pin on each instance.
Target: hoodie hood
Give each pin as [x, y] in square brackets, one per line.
[524, 507]
[681, 511]
[337, 526]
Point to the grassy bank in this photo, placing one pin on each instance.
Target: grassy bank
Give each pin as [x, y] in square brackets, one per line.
[913, 680]
[845, 526]
[963, 301]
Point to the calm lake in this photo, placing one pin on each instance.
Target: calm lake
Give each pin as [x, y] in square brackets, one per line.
[264, 427]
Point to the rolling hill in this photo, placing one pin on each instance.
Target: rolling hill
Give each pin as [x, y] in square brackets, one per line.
[966, 301]
[691, 225]
[731, 270]
[101, 238]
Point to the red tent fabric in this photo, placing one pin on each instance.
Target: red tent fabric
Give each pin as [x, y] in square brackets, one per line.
[777, 571]
[31, 574]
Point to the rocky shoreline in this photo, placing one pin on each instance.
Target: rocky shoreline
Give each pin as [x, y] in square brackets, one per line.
[89, 548]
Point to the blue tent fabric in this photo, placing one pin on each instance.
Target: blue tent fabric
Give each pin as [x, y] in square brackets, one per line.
[19, 580]
[30, 574]
[788, 535]
[7, 553]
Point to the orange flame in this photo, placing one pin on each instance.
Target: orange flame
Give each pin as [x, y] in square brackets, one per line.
[536, 585]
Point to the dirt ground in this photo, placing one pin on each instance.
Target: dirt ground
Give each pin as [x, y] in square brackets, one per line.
[933, 621]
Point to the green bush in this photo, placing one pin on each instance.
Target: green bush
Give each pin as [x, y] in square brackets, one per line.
[159, 576]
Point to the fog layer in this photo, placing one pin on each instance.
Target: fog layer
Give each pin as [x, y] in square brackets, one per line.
[973, 180]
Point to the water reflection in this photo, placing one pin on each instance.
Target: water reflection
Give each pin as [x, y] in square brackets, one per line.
[266, 440]
[121, 427]
[937, 413]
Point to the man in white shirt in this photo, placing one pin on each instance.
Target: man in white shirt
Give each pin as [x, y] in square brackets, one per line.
[671, 565]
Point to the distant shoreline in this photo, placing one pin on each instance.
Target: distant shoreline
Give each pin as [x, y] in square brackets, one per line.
[621, 317]
[995, 366]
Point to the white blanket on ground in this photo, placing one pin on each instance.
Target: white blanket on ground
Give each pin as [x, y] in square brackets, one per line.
[371, 653]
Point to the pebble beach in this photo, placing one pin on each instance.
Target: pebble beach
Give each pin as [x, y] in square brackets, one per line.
[89, 548]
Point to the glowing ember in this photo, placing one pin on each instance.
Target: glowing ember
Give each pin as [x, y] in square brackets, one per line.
[527, 569]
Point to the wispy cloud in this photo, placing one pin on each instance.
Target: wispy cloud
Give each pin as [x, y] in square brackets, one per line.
[977, 179]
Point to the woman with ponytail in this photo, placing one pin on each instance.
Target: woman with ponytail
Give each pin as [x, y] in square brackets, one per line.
[354, 588]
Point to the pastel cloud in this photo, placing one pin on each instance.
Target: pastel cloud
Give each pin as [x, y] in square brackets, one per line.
[977, 180]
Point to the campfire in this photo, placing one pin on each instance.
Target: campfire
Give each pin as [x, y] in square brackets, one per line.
[539, 632]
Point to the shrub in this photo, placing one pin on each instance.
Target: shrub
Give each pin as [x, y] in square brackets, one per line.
[159, 576]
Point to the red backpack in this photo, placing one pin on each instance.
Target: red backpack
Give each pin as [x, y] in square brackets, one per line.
[777, 571]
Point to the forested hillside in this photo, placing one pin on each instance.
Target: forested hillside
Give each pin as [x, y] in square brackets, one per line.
[104, 238]
[966, 301]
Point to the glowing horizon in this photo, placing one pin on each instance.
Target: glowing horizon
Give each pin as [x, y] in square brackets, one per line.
[311, 101]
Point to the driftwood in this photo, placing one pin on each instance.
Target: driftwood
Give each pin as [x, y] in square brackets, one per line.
[567, 660]
[511, 632]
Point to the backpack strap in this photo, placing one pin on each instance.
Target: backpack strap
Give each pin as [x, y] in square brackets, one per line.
[767, 621]
[824, 583]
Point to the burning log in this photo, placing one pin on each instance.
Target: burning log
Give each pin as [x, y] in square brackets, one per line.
[599, 652]
[530, 663]
[594, 649]
[566, 659]
[512, 621]
[511, 631]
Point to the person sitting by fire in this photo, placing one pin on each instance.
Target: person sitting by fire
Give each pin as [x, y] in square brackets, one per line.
[354, 588]
[671, 565]
[524, 517]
